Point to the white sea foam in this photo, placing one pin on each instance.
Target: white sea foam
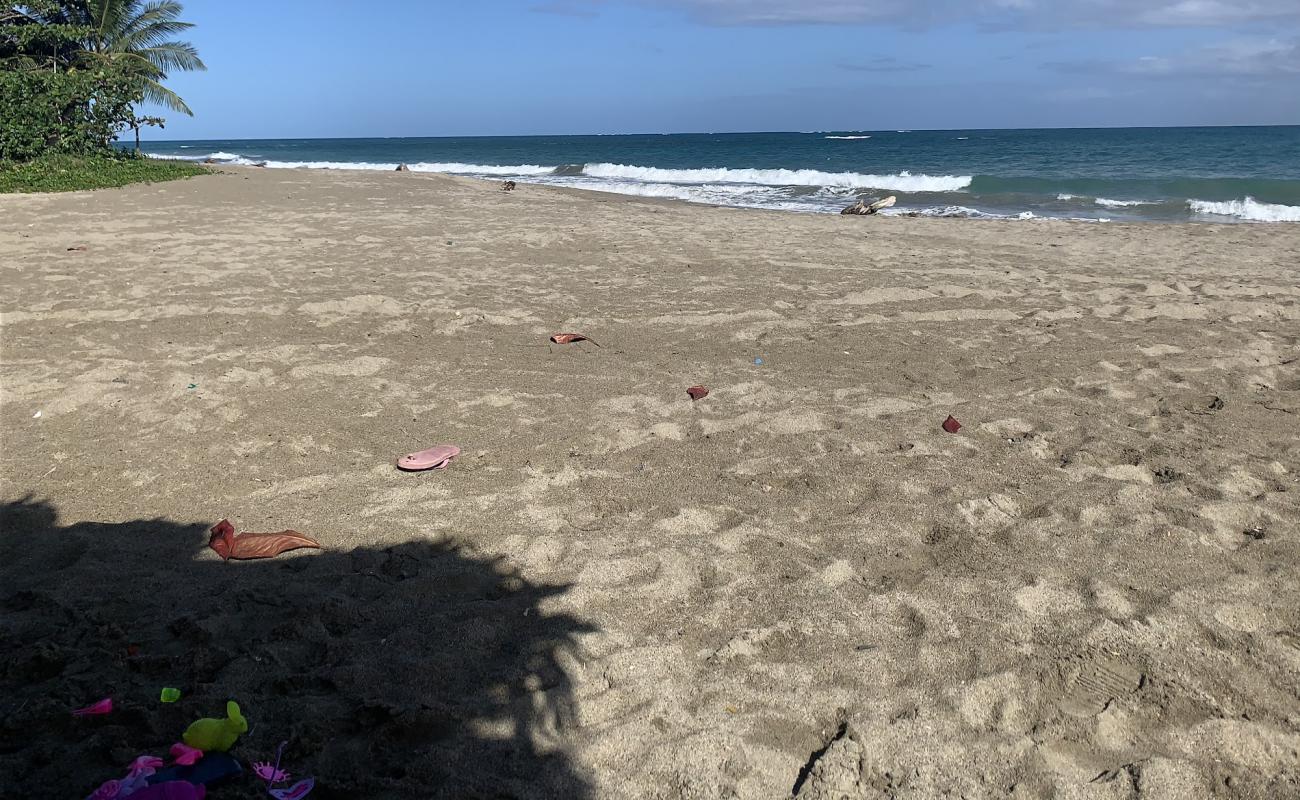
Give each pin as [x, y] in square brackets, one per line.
[902, 182]
[223, 156]
[1108, 203]
[1064, 196]
[1247, 209]
[846, 137]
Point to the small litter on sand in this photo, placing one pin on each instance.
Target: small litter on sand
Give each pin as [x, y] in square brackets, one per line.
[758, 362]
[77, 247]
[37, 415]
[570, 338]
[438, 457]
[104, 706]
[951, 425]
[697, 392]
[243, 546]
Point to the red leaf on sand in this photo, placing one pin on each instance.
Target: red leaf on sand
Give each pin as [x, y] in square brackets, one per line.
[104, 706]
[570, 338]
[229, 544]
[698, 392]
[951, 425]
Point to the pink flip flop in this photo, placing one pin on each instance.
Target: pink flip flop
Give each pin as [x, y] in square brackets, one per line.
[433, 458]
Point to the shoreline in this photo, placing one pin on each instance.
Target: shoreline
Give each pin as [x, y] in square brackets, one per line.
[616, 591]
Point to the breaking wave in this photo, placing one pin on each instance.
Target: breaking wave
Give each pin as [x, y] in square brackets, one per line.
[1248, 209]
[902, 182]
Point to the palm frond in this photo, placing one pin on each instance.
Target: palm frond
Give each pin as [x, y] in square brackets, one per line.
[155, 92]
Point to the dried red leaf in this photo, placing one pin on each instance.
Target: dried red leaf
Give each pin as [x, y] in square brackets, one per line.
[242, 546]
[951, 425]
[697, 392]
[570, 338]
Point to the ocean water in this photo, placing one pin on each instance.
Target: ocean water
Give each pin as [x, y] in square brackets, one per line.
[1162, 174]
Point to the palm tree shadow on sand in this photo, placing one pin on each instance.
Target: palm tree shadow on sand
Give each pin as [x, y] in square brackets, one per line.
[411, 671]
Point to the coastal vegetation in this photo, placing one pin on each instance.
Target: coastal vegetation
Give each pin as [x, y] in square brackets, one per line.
[73, 76]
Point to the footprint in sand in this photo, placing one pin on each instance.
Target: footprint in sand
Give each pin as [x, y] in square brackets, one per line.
[1100, 682]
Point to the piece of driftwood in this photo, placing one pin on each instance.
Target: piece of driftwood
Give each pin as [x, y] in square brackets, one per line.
[862, 207]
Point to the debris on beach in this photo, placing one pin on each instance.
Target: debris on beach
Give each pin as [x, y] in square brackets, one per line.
[402, 168]
[570, 338]
[273, 775]
[211, 769]
[697, 392]
[438, 457]
[507, 186]
[244, 546]
[183, 754]
[296, 792]
[863, 208]
[78, 247]
[211, 733]
[951, 425]
[98, 709]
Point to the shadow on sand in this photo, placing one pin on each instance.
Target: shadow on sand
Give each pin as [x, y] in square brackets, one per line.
[411, 671]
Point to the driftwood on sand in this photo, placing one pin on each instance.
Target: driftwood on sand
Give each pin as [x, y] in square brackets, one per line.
[862, 207]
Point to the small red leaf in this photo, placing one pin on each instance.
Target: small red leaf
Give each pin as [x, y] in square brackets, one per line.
[951, 425]
[570, 338]
[698, 392]
[228, 544]
[104, 706]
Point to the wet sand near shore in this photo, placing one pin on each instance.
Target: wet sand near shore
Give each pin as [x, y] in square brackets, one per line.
[797, 585]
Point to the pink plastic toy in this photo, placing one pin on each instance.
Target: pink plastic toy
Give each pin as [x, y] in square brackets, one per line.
[185, 755]
[172, 790]
[273, 775]
[269, 773]
[104, 706]
[296, 792]
[108, 790]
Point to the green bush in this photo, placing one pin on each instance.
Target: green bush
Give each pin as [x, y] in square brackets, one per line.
[66, 173]
[77, 112]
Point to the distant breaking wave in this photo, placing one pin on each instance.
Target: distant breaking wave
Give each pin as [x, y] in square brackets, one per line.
[1247, 209]
[902, 182]
[846, 137]
[1106, 202]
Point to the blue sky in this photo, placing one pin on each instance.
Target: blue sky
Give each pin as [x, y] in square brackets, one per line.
[292, 68]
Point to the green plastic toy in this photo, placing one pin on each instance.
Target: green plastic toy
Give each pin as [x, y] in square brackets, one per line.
[170, 695]
[217, 735]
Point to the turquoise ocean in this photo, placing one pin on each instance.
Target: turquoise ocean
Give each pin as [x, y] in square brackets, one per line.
[1117, 174]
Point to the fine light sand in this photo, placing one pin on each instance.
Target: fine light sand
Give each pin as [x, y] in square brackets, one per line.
[799, 584]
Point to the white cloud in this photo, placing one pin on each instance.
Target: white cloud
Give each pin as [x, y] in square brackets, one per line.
[1002, 13]
[1237, 58]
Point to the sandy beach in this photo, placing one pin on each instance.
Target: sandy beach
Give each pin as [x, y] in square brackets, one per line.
[797, 585]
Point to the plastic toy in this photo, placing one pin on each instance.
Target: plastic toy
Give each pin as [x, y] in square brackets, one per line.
[296, 792]
[217, 735]
[172, 790]
[185, 755]
[212, 769]
[269, 773]
[104, 706]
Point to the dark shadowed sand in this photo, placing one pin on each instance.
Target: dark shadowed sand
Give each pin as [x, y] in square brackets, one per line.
[799, 584]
